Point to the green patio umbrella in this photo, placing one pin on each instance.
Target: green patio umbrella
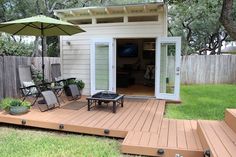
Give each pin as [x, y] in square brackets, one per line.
[39, 26]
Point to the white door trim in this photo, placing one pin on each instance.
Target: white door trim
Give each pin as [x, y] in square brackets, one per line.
[92, 64]
[177, 42]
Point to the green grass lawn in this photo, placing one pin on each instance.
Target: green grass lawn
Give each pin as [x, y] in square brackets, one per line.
[203, 102]
[18, 142]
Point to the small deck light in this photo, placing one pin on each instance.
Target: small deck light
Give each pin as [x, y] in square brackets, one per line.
[106, 131]
[23, 121]
[160, 151]
[207, 153]
[61, 126]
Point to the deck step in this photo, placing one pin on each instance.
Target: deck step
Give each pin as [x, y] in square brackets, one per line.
[230, 118]
[217, 137]
[175, 137]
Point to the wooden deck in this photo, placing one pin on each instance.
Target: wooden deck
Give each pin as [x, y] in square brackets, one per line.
[140, 122]
[136, 115]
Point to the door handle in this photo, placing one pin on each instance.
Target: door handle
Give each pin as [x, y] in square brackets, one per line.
[178, 69]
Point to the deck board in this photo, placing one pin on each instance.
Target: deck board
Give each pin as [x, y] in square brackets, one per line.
[137, 116]
[157, 120]
[143, 116]
[182, 143]
[147, 125]
[133, 112]
[172, 136]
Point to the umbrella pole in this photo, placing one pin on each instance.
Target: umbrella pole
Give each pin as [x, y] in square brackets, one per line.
[42, 40]
[43, 66]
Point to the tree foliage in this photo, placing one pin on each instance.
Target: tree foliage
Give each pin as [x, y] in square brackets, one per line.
[198, 24]
[197, 21]
[10, 47]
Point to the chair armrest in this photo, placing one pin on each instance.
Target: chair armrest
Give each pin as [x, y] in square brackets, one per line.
[33, 86]
[71, 78]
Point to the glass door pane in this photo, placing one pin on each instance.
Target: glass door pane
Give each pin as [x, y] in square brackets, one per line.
[167, 68]
[102, 66]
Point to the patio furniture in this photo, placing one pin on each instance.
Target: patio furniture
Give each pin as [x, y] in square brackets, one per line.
[75, 92]
[106, 97]
[27, 86]
[51, 101]
[58, 79]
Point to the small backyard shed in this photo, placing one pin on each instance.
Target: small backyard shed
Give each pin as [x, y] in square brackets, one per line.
[125, 49]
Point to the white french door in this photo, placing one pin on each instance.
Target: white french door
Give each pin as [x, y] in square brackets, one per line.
[101, 65]
[168, 57]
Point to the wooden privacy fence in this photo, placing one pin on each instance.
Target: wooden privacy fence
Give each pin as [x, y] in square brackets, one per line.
[208, 69]
[194, 70]
[9, 78]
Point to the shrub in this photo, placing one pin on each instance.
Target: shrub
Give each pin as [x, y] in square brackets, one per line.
[6, 103]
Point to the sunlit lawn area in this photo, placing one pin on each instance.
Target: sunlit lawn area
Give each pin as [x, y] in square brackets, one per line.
[18, 142]
[203, 102]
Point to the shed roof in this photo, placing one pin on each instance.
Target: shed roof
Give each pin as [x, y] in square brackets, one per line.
[131, 9]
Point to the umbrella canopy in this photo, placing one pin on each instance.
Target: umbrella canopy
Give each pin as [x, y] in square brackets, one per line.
[39, 26]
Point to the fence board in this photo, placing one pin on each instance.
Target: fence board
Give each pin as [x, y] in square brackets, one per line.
[1, 78]
[208, 69]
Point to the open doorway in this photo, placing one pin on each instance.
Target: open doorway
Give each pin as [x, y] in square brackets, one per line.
[136, 66]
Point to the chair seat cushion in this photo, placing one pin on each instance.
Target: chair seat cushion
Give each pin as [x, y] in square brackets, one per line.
[30, 91]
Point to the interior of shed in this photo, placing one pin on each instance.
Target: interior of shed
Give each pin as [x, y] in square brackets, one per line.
[135, 69]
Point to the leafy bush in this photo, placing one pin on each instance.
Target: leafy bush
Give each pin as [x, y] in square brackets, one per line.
[6, 103]
[37, 76]
[80, 84]
[9, 47]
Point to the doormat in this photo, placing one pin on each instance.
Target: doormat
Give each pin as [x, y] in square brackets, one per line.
[75, 105]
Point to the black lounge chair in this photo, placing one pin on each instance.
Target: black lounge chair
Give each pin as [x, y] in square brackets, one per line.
[51, 101]
[30, 89]
[75, 92]
[58, 79]
[27, 86]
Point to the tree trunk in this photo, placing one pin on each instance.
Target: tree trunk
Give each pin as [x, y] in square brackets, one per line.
[45, 47]
[227, 18]
[36, 47]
